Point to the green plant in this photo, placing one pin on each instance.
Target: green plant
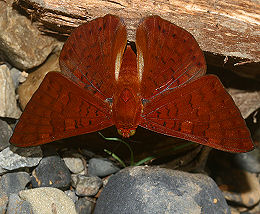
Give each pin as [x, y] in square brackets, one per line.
[132, 162]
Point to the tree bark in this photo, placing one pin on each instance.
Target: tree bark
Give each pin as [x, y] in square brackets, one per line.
[229, 29]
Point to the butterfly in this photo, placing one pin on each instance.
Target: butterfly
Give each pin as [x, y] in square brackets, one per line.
[163, 88]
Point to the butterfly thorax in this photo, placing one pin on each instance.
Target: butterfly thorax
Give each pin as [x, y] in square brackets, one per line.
[127, 104]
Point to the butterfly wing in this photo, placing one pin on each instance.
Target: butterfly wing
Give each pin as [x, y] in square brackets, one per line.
[57, 110]
[201, 111]
[167, 55]
[93, 53]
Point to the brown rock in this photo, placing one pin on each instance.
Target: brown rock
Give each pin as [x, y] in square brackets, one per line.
[27, 89]
[242, 188]
[22, 43]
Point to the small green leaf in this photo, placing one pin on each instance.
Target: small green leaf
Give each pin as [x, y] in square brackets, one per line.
[143, 161]
[119, 140]
[116, 157]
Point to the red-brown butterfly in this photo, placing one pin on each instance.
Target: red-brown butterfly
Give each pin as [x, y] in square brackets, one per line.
[163, 89]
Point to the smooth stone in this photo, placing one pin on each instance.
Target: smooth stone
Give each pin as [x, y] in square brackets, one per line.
[14, 182]
[84, 206]
[249, 161]
[22, 43]
[72, 195]
[74, 163]
[8, 103]
[51, 172]
[101, 167]
[34, 79]
[86, 185]
[18, 206]
[158, 190]
[48, 200]
[16, 157]
[5, 134]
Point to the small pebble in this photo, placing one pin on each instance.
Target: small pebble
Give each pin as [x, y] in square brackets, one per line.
[249, 161]
[86, 185]
[84, 206]
[74, 163]
[51, 172]
[14, 182]
[72, 195]
[17, 76]
[16, 158]
[48, 200]
[101, 167]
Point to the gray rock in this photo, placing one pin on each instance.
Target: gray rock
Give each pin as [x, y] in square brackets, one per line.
[3, 200]
[18, 76]
[8, 104]
[16, 158]
[72, 195]
[14, 182]
[157, 190]
[20, 40]
[48, 200]
[5, 134]
[18, 206]
[101, 167]
[87, 185]
[74, 163]
[51, 172]
[3, 171]
[84, 206]
[249, 161]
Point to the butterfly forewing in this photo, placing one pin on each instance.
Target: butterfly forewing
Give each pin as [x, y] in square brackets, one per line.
[168, 56]
[201, 111]
[89, 55]
[60, 109]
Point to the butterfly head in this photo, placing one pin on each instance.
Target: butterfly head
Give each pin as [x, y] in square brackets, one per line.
[126, 132]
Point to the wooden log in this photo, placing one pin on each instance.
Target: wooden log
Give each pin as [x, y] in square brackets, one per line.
[229, 28]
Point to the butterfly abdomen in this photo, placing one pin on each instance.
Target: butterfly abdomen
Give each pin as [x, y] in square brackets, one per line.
[127, 105]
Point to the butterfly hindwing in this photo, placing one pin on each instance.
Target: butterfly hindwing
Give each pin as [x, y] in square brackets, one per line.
[201, 111]
[60, 109]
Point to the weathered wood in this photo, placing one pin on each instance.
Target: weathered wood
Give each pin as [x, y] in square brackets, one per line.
[226, 28]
